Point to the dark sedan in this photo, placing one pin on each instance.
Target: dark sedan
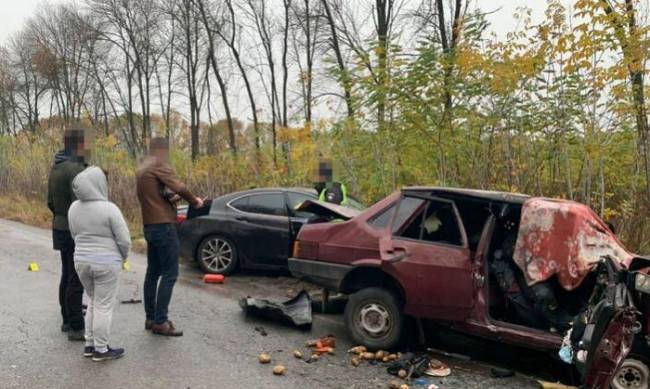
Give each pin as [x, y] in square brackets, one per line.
[253, 229]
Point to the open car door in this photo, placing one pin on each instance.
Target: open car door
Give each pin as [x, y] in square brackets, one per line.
[606, 329]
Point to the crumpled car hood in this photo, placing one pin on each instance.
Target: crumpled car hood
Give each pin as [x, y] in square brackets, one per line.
[563, 238]
[325, 209]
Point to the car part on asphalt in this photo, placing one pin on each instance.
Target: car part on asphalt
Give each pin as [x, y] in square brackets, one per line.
[496, 372]
[217, 255]
[213, 278]
[131, 301]
[296, 311]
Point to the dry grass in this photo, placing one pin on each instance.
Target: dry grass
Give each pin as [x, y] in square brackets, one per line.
[35, 213]
[25, 210]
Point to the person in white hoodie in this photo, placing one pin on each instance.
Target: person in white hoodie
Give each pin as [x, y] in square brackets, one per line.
[102, 242]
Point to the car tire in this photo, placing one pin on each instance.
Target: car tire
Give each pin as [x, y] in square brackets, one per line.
[634, 373]
[373, 318]
[217, 255]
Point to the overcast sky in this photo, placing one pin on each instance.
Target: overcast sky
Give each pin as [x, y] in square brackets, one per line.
[14, 13]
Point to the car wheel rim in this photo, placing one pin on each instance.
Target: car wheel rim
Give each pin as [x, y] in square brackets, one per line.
[217, 255]
[374, 319]
[632, 374]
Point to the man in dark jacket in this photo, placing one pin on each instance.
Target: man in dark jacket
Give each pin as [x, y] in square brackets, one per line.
[158, 190]
[67, 164]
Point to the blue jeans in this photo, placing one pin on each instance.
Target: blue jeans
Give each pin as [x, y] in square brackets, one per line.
[162, 265]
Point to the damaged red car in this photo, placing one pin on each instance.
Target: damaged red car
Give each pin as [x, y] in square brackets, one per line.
[546, 274]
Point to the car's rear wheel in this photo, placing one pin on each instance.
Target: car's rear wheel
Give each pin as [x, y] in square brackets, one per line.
[373, 318]
[217, 255]
[634, 373]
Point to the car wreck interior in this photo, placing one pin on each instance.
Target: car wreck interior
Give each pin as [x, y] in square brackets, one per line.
[544, 306]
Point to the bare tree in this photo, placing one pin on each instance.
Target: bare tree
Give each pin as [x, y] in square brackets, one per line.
[259, 15]
[217, 72]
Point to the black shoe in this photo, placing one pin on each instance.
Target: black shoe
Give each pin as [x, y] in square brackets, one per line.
[65, 327]
[89, 351]
[108, 355]
[76, 335]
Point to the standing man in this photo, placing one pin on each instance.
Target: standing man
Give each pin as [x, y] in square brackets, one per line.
[329, 190]
[67, 164]
[158, 190]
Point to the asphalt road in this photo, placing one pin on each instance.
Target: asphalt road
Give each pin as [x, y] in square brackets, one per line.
[219, 349]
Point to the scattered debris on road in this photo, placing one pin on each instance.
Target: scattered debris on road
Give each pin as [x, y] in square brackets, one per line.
[264, 358]
[213, 278]
[279, 370]
[297, 354]
[33, 266]
[261, 330]
[501, 373]
[131, 301]
[554, 385]
[296, 311]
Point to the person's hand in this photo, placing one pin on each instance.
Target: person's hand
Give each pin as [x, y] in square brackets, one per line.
[175, 198]
[199, 202]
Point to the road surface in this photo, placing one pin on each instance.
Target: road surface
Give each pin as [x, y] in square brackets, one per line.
[219, 349]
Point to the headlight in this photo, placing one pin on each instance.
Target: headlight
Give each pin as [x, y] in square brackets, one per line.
[642, 283]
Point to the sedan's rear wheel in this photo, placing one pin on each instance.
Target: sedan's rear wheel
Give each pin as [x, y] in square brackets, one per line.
[373, 318]
[633, 374]
[217, 255]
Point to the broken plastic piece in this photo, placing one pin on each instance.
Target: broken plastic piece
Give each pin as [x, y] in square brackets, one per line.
[33, 266]
[296, 311]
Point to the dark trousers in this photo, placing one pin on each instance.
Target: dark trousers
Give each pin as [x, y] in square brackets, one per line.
[70, 289]
[162, 269]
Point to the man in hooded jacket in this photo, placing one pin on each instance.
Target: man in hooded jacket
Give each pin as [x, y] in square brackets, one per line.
[67, 164]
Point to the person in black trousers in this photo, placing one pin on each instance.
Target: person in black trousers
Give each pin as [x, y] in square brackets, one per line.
[67, 164]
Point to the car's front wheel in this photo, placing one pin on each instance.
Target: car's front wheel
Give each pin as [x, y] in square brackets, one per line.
[634, 373]
[217, 255]
[373, 318]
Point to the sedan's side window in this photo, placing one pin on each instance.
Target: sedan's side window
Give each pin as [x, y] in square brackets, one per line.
[265, 204]
[432, 221]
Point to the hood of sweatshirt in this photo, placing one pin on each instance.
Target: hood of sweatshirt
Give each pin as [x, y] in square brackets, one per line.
[90, 185]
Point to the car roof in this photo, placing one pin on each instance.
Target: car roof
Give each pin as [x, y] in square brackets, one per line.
[507, 197]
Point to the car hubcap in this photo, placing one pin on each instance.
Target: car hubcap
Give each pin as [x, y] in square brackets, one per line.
[217, 255]
[374, 319]
[633, 374]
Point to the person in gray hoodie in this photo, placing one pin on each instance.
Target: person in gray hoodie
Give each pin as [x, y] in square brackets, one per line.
[102, 242]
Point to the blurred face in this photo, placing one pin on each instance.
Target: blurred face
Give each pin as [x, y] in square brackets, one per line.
[324, 173]
[77, 143]
[159, 148]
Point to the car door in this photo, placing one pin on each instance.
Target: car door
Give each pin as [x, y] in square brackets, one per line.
[429, 254]
[260, 226]
[611, 323]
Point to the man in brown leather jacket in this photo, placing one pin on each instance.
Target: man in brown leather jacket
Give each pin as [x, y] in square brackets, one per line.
[158, 191]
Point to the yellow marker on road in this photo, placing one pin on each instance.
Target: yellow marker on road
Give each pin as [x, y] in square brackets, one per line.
[126, 265]
[33, 266]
